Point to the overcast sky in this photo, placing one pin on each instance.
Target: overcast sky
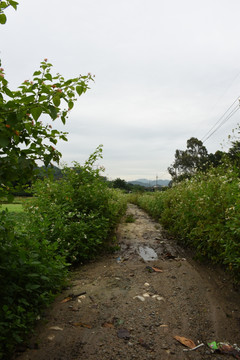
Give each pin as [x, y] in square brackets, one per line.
[165, 71]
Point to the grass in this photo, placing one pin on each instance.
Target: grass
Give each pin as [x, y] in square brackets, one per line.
[12, 207]
[15, 206]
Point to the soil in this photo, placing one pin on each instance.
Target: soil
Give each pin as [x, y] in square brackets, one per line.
[118, 307]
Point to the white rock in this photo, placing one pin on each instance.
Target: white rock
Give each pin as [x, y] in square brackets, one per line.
[139, 297]
[51, 337]
[57, 328]
[146, 295]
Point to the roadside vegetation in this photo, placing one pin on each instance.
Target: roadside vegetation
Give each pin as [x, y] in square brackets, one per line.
[67, 222]
[203, 212]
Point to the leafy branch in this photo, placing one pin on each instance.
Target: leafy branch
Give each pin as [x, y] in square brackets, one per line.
[3, 6]
[24, 138]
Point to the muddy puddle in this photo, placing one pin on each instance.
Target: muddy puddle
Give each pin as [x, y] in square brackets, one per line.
[143, 239]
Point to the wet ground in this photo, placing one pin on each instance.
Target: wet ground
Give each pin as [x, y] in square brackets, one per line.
[132, 304]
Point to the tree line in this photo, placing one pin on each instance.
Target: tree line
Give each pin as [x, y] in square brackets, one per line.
[196, 158]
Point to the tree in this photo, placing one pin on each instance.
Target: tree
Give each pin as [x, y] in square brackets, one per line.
[120, 184]
[188, 161]
[216, 159]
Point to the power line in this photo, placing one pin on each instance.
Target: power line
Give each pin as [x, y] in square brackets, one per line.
[219, 119]
[226, 90]
[222, 120]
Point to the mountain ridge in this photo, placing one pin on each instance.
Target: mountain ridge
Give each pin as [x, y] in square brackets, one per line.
[149, 183]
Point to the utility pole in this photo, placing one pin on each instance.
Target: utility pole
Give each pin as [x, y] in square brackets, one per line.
[156, 180]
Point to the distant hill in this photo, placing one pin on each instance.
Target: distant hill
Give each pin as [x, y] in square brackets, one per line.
[149, 183]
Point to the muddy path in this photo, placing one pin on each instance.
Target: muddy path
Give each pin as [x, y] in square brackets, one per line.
[117, 308]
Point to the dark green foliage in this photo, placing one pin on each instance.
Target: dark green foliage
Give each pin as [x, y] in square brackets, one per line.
[120, 184]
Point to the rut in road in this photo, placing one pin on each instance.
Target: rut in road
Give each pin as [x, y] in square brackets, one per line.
[116, 308]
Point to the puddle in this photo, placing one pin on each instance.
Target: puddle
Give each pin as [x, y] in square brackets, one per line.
[147, 253]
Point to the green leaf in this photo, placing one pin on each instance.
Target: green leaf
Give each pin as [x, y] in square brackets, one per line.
[36, 112]
[68, 82]
[8, 92]
[70, 104]
[4, 81]
[48, 76]
[54, 141]
[36, 262]
[29, 99]
[45, 89]
[53, 111]
[37, 73]
[14, 4]
[33, 274]
[63, 138]
[63, 118]
[3, 4]
[79, 90]
[3, 19]
[56, 100]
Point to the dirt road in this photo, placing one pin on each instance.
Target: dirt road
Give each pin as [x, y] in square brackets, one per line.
[118, 308]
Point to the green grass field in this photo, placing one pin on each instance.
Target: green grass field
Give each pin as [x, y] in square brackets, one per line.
[12, 207]
[16, 206]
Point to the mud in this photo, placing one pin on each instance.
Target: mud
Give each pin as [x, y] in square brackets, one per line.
[120, 308]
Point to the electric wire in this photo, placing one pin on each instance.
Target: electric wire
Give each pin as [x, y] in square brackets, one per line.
[226, 90]
[233, 111]
[222, 123]
[219, 120]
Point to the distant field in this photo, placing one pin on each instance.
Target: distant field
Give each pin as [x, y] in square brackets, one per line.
[12, 207]
[16, 205]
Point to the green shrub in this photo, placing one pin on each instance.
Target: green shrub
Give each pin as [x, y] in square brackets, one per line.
[29, 274]
[78, 212]
[71, 220]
